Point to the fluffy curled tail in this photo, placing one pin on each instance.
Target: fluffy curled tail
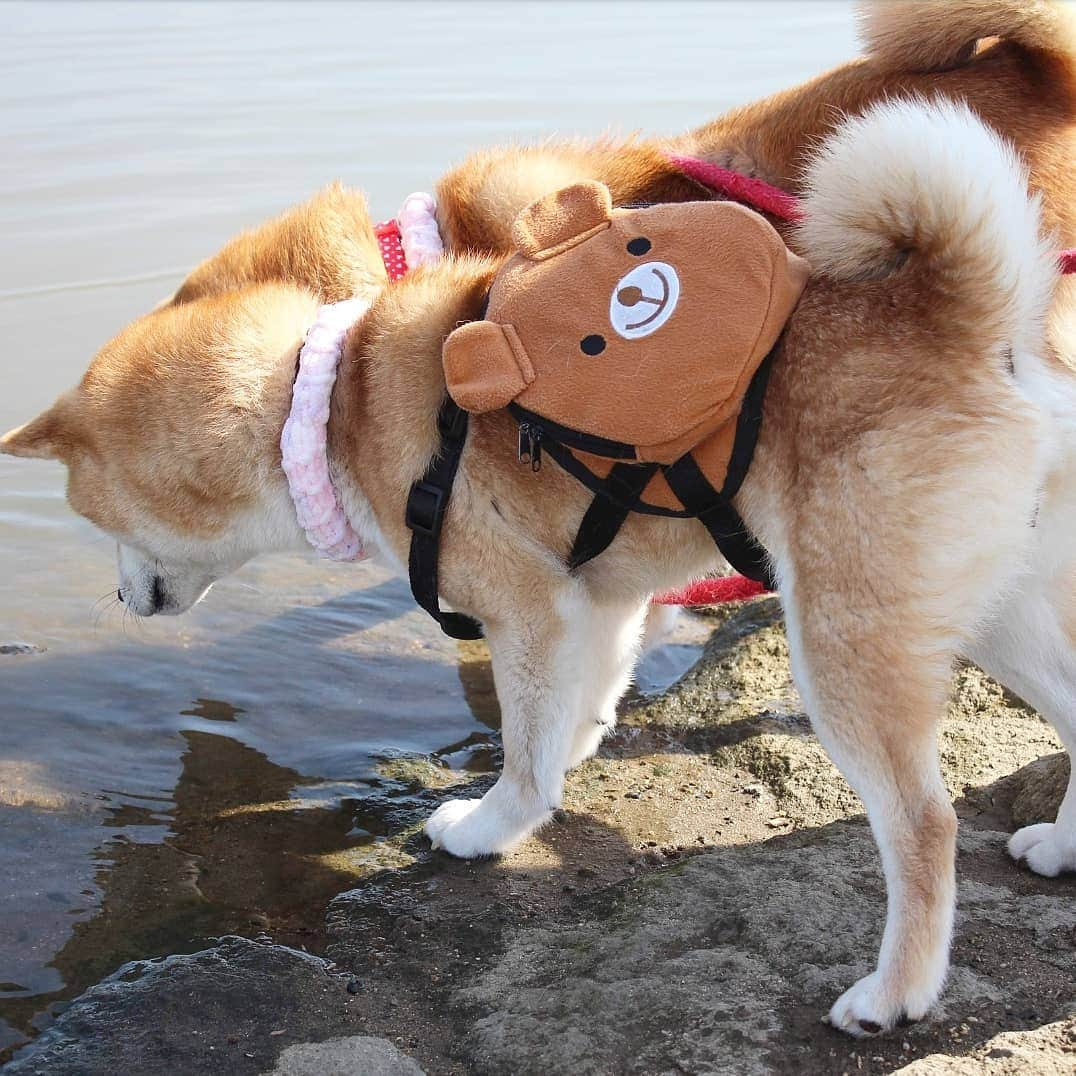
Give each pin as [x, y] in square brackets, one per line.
[931, 184]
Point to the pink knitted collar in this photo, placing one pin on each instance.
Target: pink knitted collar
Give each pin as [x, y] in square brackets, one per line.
[303, 440]
[412, 239]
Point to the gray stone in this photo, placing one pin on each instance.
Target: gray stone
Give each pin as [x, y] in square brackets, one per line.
[1042, 785]
[1046, 1051]
[725, 963]
[231, 1008]
[21, 648]
[663, 927]
[357, 1055]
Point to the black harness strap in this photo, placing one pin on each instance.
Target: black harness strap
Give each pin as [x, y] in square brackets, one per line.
[427, 504]
[580, 471]
[616, 496]
[721, 519]
[623, 487]
[715, 509]
[748, 424]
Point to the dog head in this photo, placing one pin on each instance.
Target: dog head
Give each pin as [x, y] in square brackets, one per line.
[634, 324]
[170, 441]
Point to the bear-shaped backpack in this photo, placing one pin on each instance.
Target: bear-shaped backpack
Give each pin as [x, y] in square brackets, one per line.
[629, 335]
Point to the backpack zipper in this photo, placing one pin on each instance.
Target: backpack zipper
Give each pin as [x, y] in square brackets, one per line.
[530, 445]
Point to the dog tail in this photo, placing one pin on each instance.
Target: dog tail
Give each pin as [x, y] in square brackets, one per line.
[931, 185]
[934, 35]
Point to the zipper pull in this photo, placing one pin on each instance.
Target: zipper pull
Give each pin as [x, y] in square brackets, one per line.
[524, 442]
[535, 433]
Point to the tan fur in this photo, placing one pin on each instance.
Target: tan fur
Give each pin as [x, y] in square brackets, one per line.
[927, 36]
[326, 244]
[479, 200]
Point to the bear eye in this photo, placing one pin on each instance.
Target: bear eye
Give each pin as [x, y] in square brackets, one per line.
[593, 344]
[639, 245]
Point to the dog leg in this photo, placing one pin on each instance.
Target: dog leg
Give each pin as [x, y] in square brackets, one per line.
[612, 642]
[1027, 648]
[538, 661]
[875, 696]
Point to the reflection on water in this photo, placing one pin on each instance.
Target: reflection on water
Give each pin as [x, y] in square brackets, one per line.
[161, 783]
[239, 843]
[231, 815]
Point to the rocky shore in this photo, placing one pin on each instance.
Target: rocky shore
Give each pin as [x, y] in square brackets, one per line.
[708, 889]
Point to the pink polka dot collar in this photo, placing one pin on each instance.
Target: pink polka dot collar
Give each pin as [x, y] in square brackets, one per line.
[413, 238]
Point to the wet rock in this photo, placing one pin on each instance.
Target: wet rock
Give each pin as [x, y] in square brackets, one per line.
[416, 772]
[218, 1010]
[345, 1057]
[744, 668]
[21, 648]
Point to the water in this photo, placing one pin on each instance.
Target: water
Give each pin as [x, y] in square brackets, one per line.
[167, 781]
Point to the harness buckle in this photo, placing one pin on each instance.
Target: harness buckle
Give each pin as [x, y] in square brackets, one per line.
[425, 509]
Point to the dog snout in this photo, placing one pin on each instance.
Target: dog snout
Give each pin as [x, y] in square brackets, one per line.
[144, 600]
[158, 596]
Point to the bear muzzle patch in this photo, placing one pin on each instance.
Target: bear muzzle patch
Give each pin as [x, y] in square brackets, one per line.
[644, 299]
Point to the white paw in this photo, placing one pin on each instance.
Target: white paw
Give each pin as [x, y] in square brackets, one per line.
[868, 1008]
[445, 817]
[471, 829]
[1044, 848]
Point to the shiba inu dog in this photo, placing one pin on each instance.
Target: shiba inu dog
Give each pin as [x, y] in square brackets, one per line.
[914, 483]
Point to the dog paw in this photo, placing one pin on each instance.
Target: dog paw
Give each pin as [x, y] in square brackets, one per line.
[443, 826]
[471, 829]
[1044, 848]
[867, 1008]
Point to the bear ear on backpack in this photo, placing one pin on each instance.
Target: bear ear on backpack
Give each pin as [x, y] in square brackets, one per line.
[485, 366]
[562, 219]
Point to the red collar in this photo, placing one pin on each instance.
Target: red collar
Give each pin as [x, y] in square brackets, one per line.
[758, 194]
[390, 243]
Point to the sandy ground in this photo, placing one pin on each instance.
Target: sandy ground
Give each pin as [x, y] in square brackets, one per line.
[709, 888]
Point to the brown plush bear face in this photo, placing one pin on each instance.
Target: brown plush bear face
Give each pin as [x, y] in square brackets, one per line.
[639, 325]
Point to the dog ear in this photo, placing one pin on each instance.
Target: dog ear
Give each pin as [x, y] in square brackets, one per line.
[561, 220]
[42, 438]
[485, 366]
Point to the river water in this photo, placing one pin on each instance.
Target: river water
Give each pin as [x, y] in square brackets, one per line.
[166, 781]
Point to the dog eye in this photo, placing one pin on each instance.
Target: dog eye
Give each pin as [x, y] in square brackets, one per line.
[639, 245]
[593, 344]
